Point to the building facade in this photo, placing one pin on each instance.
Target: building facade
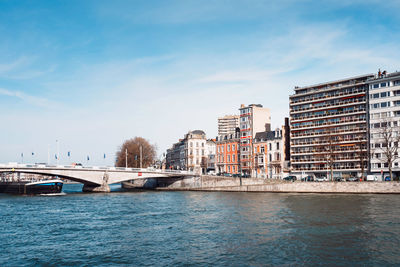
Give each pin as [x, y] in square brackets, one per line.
[228, 124]
[253, 119]
[328, 127]
[384, 123]
[211, 155]
[175, 156]
[195, 151]
[228, 153]
[272, 153]
[189, 153]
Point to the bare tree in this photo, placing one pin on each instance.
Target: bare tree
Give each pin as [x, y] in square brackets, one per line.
[130, 150]
[330, 153]
[388, 143]
[362, 154]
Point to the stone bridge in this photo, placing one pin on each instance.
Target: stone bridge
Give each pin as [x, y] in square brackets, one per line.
[94, 178]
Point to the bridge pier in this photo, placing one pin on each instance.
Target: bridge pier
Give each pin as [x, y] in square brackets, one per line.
[104, 188]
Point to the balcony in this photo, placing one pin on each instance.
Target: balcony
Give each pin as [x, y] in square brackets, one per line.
[321, 125]
[339, 132]
[324, 142]
[326, 106]
[330, 115]
[324, 160]
[328, 97]
[349, 149]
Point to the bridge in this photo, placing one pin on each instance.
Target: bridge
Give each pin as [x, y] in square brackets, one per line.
[95, 179]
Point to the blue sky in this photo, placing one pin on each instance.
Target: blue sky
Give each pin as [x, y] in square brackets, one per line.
[94, 73]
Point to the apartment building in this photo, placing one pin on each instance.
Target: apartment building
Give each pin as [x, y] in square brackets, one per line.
[195, 151]
[175, 156]
[253, 119]
[211, 155]
[189, 153]
[384, 123]
[228, 124]
[329, 127]
[228, 153]
[272, 152]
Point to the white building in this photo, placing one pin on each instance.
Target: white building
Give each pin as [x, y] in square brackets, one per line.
[195, 151]
[253, 119]
[228, 124]
[384, 109]
[210, 152]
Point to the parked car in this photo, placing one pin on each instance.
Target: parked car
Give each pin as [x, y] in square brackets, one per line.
[338, 179]
[387, 178]
[321, 179]
[372, 178]
[353, 179]
[307, 179]
[291, 178]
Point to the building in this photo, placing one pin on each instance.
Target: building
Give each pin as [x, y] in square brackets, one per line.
[175, 156]
[228, 153]
[328, 127]
[260, 155]
[253, 119]
[384, 123]
[228, 124]
[211, 155]
[272, 153]
[195, 151]
[189, 153]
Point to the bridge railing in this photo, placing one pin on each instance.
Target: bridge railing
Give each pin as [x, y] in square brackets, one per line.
[69, 167]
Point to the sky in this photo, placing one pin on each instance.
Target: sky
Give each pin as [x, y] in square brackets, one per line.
[85, 76]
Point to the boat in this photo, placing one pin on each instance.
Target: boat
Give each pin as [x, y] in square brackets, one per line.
[52, 186]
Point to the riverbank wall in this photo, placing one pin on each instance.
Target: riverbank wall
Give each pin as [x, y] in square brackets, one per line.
[231, 184]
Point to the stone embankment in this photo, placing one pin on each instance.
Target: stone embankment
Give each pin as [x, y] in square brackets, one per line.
[230, 184]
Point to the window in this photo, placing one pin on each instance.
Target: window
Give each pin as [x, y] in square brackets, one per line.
[376, 95]
[233, 147]
[383, 85]
[229, 168]
[202, 152]
[233, 158]
[383, 94]
[228, 148]
[383, 104]
[277, 146]
[376, 85]
[270, 146]
[229, 158]
[262, 149]
[191, 144]
[270, 157]
[197, 144]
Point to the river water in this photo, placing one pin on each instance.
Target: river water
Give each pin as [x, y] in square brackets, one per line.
[199, 228]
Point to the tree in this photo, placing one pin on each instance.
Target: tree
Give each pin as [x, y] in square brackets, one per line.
[130, 150]
[363, 154]
[330, 153]
[388, 143]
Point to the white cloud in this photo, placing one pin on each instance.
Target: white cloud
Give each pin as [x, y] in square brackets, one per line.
[29, 99]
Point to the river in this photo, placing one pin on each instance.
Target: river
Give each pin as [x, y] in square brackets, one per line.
[199, 228]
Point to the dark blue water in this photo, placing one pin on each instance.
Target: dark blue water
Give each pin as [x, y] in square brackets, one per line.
[199, 228]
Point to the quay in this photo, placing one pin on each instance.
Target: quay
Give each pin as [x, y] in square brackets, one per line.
[231, 184]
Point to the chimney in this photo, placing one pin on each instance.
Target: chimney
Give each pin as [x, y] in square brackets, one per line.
[242, 106]
[379, 73]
